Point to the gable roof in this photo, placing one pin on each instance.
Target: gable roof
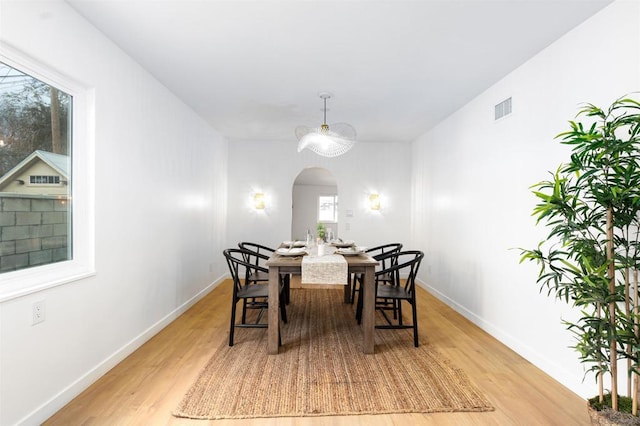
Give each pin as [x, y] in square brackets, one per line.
[59, 162]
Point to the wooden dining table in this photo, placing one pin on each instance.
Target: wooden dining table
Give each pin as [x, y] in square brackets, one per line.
[362, 264]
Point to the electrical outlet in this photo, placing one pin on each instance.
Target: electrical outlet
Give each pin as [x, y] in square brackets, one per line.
[38, 312]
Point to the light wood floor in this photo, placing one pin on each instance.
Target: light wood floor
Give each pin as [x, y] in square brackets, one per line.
[148, 385]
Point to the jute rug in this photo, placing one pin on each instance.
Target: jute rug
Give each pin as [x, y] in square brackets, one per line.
[322, 371]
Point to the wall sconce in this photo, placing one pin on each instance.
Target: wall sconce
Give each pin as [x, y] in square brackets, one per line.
[374, 202]
[258, 201]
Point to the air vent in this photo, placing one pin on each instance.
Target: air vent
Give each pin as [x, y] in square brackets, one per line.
[503, 108]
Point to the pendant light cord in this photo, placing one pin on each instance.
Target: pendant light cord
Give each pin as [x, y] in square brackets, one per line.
[325, 110]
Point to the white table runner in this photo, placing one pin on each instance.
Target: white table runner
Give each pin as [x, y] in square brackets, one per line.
[328, 269]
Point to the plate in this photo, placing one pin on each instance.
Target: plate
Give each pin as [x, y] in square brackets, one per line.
[350, 251]
[342, 243]
[296, 251]
[294, 243]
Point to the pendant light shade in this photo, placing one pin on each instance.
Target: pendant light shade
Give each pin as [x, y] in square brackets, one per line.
[327, 141]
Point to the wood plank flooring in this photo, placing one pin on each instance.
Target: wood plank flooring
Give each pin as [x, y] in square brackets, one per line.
[148, 385]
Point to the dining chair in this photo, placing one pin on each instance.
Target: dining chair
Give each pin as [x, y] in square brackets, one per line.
[254, 296]
[402, 271]
[258, 256]
[354, 282]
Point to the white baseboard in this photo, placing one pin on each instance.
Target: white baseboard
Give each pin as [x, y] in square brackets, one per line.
[49, 408]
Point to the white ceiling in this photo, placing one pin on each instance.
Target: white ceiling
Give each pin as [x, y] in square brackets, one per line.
[253, 69]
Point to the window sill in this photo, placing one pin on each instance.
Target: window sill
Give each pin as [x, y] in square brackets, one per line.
[24, 282]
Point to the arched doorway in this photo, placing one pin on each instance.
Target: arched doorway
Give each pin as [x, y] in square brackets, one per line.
[314, 199]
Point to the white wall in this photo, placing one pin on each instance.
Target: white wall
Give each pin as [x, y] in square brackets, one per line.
[272, 167]
[160, 195]
[471, 175]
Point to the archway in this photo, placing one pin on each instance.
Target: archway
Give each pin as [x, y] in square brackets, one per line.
[314, 199]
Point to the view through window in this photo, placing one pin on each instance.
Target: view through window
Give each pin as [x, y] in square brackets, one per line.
[35, 171]
[328, 208]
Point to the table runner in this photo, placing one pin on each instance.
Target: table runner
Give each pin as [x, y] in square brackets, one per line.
[328, 269]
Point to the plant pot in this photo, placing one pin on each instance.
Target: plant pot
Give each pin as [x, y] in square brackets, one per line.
[609, 417]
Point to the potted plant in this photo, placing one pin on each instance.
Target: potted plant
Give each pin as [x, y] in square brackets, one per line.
[591, 254]
[321, 231]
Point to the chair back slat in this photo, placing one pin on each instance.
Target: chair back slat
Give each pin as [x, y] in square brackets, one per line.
[380, 253]
[257, 254]
[262, 253]
[401, 263]
[240, 260]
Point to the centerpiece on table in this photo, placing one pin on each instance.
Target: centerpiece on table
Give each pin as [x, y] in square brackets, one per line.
[321, 232]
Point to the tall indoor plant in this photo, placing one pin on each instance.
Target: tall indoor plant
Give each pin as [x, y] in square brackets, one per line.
[591, 208]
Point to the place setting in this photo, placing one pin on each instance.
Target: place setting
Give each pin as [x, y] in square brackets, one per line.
[293, 248]
[351, 251]
[292, 251]
[347, 247]
[295, 243]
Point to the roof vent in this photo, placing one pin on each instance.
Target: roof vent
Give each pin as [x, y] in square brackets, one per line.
[503, 109]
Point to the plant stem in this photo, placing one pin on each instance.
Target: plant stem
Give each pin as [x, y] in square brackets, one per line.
[634, 409]
[600, 379]
[612, 311]
[627, 310]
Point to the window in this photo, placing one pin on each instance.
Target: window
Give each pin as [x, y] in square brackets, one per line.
[328, 208]
[35, 130]
[44, 180]
[46, 177]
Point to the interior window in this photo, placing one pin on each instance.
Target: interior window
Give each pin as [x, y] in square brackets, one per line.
[328, 208]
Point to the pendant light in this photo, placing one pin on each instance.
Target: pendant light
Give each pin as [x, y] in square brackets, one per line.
[327, 141]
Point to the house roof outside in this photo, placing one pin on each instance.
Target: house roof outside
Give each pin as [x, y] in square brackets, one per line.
[58, 162]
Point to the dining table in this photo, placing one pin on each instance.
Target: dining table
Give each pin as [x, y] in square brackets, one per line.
[361, 263]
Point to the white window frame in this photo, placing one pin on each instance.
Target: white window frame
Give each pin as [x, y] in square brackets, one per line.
[30, 280]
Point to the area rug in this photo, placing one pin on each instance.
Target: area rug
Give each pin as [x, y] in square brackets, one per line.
[321, 370]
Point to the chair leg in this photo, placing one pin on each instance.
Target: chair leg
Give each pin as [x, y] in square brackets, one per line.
[347, 290]
[287, 287]
[233, 321]
[283, 310]
[415, 321]
[355, 288]
[244, 311]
